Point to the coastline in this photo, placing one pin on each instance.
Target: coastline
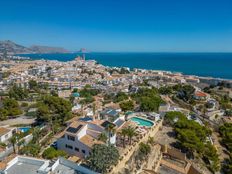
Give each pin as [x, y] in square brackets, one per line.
[120, 60]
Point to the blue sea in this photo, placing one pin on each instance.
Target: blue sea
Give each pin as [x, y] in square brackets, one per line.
[218, 65]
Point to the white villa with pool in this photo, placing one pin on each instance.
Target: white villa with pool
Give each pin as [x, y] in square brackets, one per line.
[80, 136]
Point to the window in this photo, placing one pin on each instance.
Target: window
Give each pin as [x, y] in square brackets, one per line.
[77, 149]
[68, 146]
[83, 151]
[71, 138]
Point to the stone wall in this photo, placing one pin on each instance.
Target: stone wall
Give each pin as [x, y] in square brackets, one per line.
[173, 152]
[192, 170]
[122, 162]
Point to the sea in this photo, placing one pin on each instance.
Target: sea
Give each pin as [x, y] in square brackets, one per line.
[217, 65]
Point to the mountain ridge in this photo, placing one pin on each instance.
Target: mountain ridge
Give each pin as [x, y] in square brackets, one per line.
[10, 47]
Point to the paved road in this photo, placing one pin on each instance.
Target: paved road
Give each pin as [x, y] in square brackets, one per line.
[18, 120]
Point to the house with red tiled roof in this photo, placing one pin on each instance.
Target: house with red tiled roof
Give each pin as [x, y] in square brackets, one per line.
[199, 95]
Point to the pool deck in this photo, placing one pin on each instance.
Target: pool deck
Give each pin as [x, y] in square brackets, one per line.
[137, 115]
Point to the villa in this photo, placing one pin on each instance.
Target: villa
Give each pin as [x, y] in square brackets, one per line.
[109, 114]
[80, 136]
[199, 95]
[163, 108]
[6, 133]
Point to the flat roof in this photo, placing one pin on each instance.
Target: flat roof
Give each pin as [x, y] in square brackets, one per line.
[23, 168]
[61, 169]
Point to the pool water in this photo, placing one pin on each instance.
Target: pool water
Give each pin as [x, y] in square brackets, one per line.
[24, 129]
[142, 122]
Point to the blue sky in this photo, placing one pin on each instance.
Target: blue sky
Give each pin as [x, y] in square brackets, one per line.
[120, 25]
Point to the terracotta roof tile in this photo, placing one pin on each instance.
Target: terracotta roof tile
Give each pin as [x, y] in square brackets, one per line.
[200, 94]
[90, 141]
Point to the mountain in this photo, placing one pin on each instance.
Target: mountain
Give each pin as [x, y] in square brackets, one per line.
[47, 49]
[13, 48]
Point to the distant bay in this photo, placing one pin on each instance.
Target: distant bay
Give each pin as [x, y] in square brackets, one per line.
[218, 65]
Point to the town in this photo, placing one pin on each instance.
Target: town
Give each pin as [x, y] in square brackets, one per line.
[82, 117]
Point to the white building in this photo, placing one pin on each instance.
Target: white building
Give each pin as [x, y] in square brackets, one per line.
[6, 133]
[29, 165]
[80, 136]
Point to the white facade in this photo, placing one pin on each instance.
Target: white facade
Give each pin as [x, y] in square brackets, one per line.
[80, 144]
[6, 134]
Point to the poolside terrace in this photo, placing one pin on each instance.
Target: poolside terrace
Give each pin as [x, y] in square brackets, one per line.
[127, 151]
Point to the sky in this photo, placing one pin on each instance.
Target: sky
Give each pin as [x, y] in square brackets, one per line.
[120, 25]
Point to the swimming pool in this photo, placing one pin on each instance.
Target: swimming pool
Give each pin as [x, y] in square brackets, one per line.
[24, 129]
[142, 122]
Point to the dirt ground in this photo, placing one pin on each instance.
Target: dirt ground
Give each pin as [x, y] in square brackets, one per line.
[165, 136]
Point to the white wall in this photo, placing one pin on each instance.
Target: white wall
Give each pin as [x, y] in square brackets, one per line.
[6, 136]
[82, 132]
[61, 145]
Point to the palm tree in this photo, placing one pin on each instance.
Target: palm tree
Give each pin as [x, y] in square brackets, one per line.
[94, 108]
[123, 134]
[21, 143]
[13, 141]
[111, 130]
[35, 133]
[102, 137]
[131, 133]
[144, 149]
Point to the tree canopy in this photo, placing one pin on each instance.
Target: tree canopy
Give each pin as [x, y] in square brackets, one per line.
[165, 90]
[53, 108]
[227, 167]
[193, 137]
[148, 99]
[144, 150]
[31, 149]
[226, 133]
[18, 93]
[51, 153]
[88, 92]
[10, 108]
[121, 96]
[102, 157]
[127, 105]
[172, 116]
[184, 92]
[33, 85]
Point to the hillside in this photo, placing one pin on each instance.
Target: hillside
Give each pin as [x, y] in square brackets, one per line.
[46, 49]
[13, 48]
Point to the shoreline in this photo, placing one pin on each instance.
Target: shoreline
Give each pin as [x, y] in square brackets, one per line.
[131, 68]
